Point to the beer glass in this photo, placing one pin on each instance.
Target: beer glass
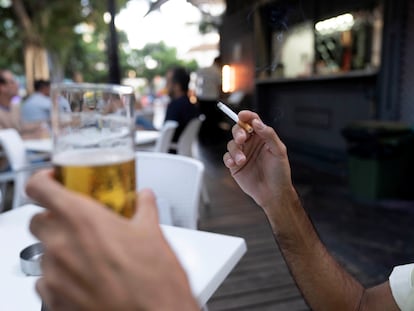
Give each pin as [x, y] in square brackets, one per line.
[93, 142]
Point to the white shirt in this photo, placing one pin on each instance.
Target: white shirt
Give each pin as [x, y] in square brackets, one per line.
[37, 107]
[208, 83]
[402, 286]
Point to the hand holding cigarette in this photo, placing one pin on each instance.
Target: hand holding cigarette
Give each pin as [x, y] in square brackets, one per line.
[232, 115]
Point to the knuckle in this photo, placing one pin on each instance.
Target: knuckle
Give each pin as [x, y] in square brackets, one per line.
[57, 247]
[283, 149]
[229, 145]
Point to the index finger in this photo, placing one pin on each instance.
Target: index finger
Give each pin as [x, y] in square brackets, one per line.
[239, 133]
[267, 133]
[248, 116]
[146, 210]
[45, 190]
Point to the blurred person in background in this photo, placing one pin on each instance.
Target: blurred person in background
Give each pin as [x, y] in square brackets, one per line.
[142, 121]
[10, 113]
[9, 88]
[208, 92]
[38, 105]
[180, 108]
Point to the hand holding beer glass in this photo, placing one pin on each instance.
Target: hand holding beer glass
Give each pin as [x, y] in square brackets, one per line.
[93, 144]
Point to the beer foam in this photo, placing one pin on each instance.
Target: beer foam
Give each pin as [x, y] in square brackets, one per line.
[92, 157]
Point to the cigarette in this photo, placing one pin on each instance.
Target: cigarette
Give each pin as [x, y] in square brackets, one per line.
[232, 115]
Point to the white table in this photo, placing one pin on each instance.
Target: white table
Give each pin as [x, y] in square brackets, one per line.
[146, 137]
[142, 137]
[38, 145]
[206, 257]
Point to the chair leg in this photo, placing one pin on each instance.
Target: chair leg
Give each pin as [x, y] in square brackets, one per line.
[204, 195]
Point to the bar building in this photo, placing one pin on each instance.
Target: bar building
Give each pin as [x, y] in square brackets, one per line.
[310, 68]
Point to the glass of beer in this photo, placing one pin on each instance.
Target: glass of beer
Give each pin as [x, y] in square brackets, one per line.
[93, 142]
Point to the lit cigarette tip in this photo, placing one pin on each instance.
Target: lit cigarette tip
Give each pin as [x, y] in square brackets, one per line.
[231, 114]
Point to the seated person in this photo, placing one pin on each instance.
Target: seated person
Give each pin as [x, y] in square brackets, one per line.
[10, 112]
[180, 108]
[38, 105]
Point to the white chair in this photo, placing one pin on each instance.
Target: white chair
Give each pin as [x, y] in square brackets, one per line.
[20, 167]
[175, 178]
[15, 153]
[163, 142]
[186, 144]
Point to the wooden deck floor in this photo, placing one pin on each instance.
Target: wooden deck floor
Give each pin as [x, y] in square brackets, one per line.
[367, 240]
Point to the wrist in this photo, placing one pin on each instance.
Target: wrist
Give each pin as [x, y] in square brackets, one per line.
[279, 203]
[290, 222]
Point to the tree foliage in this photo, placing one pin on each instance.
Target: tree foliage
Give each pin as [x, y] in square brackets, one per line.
[160, 55]
[53, 24]
[47, 23]
[10, 41]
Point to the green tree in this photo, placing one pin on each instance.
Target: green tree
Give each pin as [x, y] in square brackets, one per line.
[37, 26]
[58, 27]
[154, 59]
[10, 41]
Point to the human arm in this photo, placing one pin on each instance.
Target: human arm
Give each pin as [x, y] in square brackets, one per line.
[260, 165]
[35, 130]
[97, 260]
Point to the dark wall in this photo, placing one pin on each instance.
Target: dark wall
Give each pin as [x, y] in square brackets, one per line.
[309, 113]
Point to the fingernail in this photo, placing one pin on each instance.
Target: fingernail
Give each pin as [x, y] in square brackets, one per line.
[229, 162]
[258, 124]
[239, 158]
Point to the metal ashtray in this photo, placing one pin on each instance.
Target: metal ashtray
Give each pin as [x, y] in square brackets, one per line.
[30, 258]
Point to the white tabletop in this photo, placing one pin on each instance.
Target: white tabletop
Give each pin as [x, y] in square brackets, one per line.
[206, 257]
[142, 137]
[38, 145]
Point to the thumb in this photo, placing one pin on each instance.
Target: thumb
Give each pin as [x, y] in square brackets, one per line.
[146, 208]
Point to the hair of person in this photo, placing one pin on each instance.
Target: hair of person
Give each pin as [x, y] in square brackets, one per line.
[217, 60]
[40, 84]
[2, 78]
[181, 77]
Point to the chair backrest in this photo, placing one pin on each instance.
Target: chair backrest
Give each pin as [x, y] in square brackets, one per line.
[15, 152]
[189, 136]
[164, 140]
[175, 178]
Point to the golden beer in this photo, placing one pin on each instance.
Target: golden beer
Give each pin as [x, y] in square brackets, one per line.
[104, 174]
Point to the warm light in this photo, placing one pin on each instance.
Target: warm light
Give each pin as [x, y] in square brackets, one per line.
[339, 23]
[228, 77]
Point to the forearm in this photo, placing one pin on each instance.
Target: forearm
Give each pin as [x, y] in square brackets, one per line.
[34, 130]
[323, 282]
